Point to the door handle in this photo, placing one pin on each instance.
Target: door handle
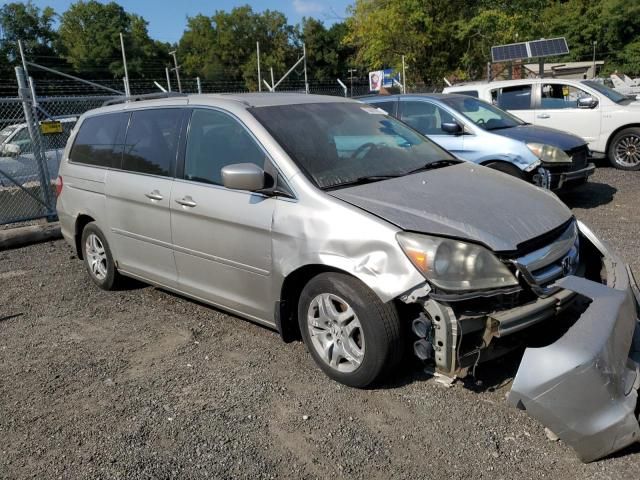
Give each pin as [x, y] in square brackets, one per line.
[186, 201]
[544, 115]
[155, 195]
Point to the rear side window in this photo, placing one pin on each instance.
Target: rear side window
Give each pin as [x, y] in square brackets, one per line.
[99, 141]
[152, 141]
[512, 98]
[388, 107]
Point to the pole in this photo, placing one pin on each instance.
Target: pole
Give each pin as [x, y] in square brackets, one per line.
[177, 69]
[593, 74]
[304, 54]
[36, 142]
[199, 86]
[127, 90]
[24, 60]
[259, 74]
[344, 87]
[272, 82]
[166, 70]
[404, 77]
[488, 71]
[78, 79]
[350, 71]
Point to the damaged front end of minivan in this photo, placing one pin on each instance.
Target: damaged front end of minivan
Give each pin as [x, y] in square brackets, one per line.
[576, 309]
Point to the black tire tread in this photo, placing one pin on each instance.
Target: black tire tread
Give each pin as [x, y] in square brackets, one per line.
[390, 323]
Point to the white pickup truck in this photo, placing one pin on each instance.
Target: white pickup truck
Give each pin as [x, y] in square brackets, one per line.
[606, 119]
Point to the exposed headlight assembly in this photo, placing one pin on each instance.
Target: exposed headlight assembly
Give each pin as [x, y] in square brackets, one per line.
[548, 153]
[453, 265]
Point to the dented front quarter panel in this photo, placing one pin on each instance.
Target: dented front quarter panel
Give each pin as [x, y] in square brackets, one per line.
[584, 386]
[323, 231]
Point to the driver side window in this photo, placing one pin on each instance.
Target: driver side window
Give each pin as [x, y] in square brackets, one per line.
[424, 117]
[557, 96]
[216, 140]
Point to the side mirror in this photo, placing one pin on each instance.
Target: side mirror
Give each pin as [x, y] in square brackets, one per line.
[587, 102]
[243, 176]
[452, 128]
[11, 149]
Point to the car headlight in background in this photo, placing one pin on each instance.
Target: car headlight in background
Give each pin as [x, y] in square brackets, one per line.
[453, 265]
[548, 153]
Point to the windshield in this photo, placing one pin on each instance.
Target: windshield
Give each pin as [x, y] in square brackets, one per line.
[339, 143]
[606, 91]
[6, 133]
[483, 114]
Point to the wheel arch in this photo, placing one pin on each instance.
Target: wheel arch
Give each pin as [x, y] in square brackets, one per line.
[616, 131]
[286, 310]
[82, 221]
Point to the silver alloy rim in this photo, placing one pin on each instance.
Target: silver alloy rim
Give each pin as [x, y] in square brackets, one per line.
[627, 152]
[336, 333]
[96, 256]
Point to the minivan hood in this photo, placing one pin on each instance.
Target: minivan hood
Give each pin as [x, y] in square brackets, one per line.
[464, 201]
[536, 134]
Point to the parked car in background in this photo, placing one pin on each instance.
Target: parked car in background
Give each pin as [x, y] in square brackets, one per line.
[18, 163]
[481, 133]
[608, 120]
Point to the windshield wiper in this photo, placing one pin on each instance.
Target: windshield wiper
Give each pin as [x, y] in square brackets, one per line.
[363, 180]
[433, 165]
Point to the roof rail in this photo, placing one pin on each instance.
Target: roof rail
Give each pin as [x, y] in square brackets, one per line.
[146, 96]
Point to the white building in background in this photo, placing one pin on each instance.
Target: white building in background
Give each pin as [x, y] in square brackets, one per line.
[576, 70]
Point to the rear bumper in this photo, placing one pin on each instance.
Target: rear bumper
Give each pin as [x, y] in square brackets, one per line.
[584, 387]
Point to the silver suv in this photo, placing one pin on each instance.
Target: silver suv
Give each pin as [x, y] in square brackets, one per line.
[326, 218]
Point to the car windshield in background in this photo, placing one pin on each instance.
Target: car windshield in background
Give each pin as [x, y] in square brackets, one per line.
[346, 143]
[606, 91]
[6, 133]
[483, 114]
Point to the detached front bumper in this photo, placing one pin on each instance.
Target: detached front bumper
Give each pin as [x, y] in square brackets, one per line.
[554, 179]
[584, 387]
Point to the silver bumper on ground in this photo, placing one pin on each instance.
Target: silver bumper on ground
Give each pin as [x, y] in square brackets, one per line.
[584, 387]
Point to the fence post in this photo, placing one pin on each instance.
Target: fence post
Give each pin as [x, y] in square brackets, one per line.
[36, 142]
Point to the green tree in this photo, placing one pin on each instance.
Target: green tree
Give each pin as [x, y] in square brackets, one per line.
[26, 22]
[223, 47]
[422, 30]
[328, 57]
[89, 38]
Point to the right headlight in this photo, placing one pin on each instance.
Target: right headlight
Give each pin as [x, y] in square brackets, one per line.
[549, 153]
[454, 265]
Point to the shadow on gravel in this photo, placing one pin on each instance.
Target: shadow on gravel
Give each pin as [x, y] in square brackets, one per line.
[589, 195]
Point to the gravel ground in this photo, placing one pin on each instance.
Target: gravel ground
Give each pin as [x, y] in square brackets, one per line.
[141, 383]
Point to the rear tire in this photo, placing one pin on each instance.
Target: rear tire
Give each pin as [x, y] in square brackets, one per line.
[98, 258]
[624, 149]
[506, 168]
[353, 337]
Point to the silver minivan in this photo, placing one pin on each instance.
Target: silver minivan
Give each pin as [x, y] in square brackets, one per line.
[326, 218]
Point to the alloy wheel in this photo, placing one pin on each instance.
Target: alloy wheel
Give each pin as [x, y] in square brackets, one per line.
[335, 332]
[627, 151]
[96, 256]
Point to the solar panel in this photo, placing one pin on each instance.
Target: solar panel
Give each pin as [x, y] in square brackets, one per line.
[548, 48]
[514, 51]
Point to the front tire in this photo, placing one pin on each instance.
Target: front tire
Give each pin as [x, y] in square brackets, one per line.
[98, 258]
[352, 336]
[624, 150]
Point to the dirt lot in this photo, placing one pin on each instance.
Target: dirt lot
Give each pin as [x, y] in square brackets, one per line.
[142, 383]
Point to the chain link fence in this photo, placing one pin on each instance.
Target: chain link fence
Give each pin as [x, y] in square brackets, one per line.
[33, 136]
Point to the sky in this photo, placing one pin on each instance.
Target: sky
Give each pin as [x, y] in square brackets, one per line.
[167, 18]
